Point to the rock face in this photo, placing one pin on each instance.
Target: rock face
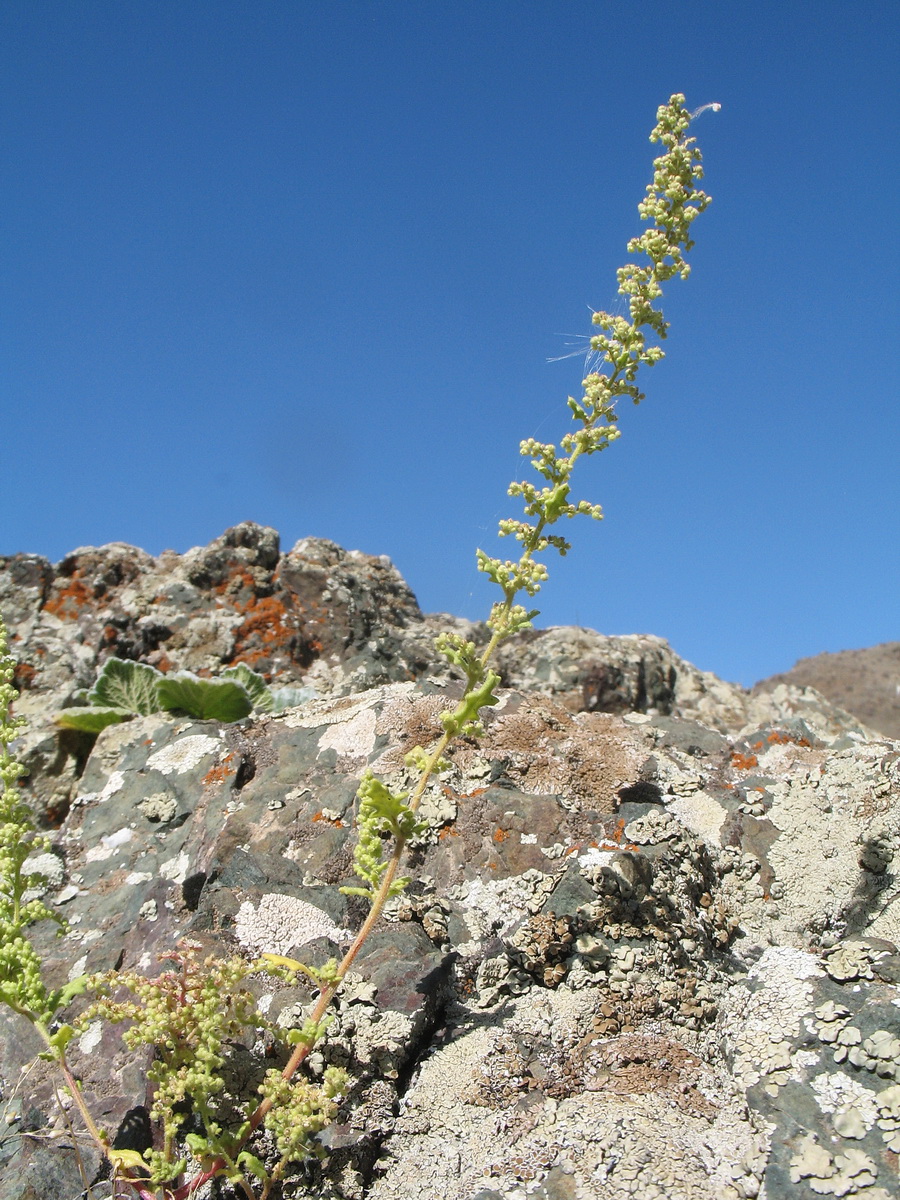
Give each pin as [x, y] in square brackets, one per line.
[648, 950]
[865, 682]
[318, 616]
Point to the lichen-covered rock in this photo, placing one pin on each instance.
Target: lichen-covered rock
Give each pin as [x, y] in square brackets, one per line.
[637, 959]
[239, 599]
[646, 952]
[322, 617]
[593, 672]
[338, 621]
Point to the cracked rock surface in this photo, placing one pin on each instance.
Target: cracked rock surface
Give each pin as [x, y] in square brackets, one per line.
[649, 949]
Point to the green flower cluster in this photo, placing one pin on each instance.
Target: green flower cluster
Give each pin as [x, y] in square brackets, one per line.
[299, 1111]
[188, 1014]
[672, 203]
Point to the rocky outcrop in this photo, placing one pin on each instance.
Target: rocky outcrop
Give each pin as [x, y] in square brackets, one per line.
[336, 620]
[865, 682]
[318, 616]
[592, 672]
[647, 952]
[298, 616]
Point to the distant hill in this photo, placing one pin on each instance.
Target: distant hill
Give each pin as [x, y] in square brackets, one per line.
[865, 683]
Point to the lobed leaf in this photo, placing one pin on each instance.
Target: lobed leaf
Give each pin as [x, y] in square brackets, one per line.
[205, 699]
[127, 685]
[91, 720]
[256, 687]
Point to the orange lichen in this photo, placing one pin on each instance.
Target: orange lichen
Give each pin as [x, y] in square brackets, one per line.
[744, 762]
[336, 822]
[455, 796]
[448, 831]
[776, 737]
[465, 988]
[24, 676]
[264, 631]
[269, 625]
[220, 772]
[500, 835]
[69, 600]
[239, 578]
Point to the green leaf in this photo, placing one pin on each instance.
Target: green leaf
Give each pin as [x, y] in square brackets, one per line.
[464, 718]
[383, 809]
[200, 1146]
[76, 987]
[62, 1037]
[91, 720]
[128, 685]
[256, 687]
[249, 1162]
[130, 1160]
[205, 699]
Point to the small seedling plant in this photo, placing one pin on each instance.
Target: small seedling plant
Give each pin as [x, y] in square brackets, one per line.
[196, 1007]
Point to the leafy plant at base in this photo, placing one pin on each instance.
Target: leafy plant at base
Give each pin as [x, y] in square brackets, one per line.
[189, 1014]
[126, 689]
[205, 699]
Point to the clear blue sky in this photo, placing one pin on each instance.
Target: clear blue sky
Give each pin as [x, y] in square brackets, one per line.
[306, 263]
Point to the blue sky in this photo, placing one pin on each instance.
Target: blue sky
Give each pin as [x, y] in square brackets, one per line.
[308, 263]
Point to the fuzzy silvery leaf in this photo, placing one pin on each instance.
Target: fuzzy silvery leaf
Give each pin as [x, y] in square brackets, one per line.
[205, 699]
[91, 720]
[256, 687]
[127, 685]
[289, 697]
